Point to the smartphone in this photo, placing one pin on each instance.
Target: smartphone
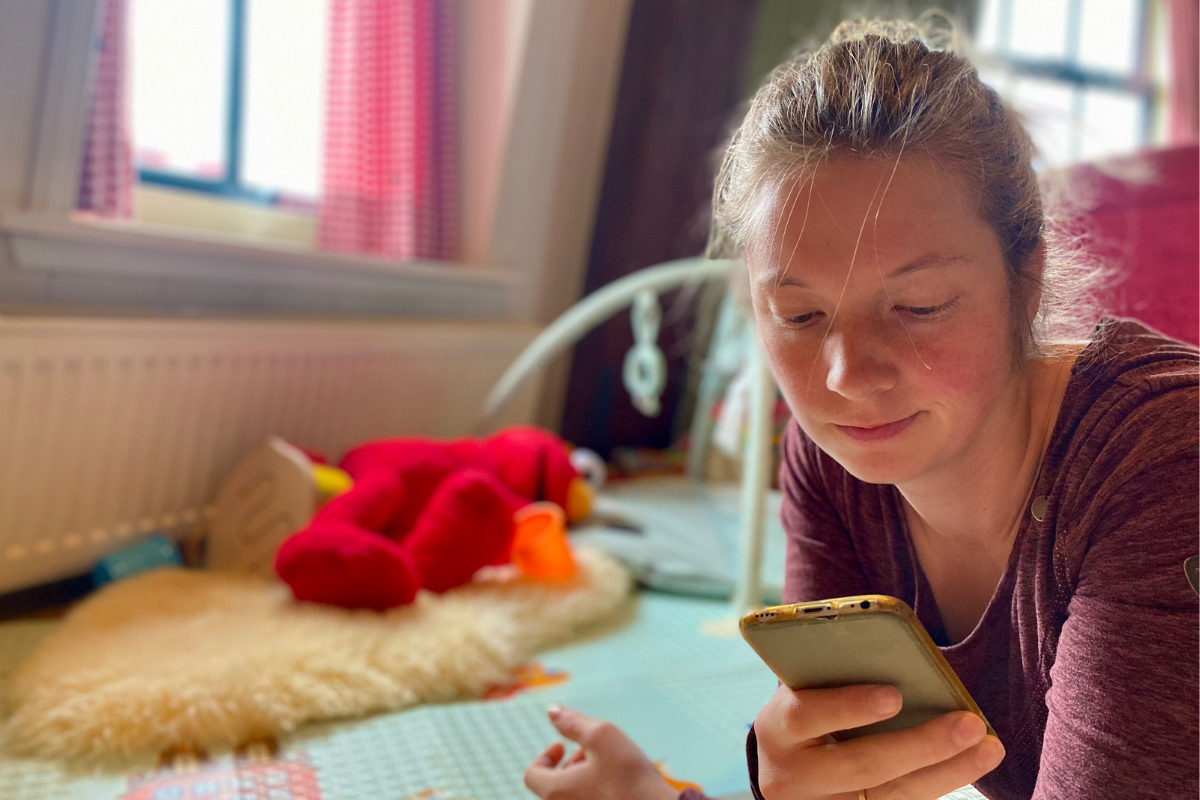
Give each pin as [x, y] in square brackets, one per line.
[871, 638]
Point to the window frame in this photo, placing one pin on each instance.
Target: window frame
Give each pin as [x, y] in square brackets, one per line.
[231, 187]
[1079, 78]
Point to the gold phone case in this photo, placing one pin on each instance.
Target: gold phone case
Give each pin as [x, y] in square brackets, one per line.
[870, 638]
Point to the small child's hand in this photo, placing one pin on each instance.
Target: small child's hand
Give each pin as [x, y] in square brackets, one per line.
[607, 765]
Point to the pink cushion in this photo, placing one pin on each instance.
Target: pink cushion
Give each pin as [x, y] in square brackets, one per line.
[1151, 229]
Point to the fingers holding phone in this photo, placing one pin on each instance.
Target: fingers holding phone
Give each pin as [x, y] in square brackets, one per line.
[965, 767]
[873, 705]
[795, 717]
[798, 759]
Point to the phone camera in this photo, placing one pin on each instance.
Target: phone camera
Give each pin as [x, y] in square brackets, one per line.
[866, 604]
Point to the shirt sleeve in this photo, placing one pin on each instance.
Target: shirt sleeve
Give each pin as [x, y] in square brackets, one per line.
[821, 560]
[1122, 704]
[752, 763]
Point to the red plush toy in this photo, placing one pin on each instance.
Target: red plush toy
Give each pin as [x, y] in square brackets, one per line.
[426, 514]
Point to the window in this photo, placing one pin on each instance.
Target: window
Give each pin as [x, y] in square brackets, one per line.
[227, 97]
[521, 83]
[1078, 72]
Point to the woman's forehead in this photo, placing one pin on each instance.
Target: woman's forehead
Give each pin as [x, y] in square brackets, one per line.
[929, 263]
[889, 212]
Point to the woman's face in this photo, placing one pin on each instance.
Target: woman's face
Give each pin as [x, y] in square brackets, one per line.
[883, 306]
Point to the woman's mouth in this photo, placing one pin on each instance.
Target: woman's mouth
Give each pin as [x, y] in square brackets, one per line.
[877, 433]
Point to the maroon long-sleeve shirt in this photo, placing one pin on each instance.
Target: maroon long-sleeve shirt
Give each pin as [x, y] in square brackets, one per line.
[1085, 660]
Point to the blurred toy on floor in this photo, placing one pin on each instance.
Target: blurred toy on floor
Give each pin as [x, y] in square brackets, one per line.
[401, 515]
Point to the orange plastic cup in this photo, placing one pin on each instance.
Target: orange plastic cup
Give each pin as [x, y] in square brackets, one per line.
[540, 548]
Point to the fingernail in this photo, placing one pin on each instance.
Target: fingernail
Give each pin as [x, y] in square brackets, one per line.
[990, 752]
[887, 701]
[969, 730]
[554, 710]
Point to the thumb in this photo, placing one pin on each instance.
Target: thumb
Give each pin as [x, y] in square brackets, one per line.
[571, 724]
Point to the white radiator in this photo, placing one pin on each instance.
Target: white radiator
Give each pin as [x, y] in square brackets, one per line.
[110, 430]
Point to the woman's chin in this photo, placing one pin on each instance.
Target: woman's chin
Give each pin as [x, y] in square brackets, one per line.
[893, 465]
[895, 458]
[882, 473]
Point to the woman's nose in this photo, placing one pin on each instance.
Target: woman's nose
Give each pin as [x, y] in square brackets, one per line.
[859, 364]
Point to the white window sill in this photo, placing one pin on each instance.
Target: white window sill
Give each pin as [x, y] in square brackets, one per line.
[229, 266]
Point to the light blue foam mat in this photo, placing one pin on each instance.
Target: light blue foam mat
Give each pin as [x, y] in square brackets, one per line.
[673, 673]
[674, 676]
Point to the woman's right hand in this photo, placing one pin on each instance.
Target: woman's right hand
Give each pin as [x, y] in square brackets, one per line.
[797, 761]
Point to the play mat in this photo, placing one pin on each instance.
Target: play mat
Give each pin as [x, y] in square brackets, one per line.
[673, 673]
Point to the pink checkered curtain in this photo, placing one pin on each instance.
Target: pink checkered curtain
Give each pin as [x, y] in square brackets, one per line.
[106, 178]
[1183, 111]
[391, 155]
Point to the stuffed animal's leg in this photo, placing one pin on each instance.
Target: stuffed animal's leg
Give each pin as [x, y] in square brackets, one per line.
[339, 564]
[342, 560]
[467, 524]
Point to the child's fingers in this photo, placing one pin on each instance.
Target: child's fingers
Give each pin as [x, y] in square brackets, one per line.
[541, 776]
[575, 758]
[573, 725]
[550, 756]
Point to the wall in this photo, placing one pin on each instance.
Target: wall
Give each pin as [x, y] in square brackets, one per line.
[493, 34]
[24, 25]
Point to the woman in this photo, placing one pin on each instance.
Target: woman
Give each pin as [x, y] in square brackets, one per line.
[1030, 492]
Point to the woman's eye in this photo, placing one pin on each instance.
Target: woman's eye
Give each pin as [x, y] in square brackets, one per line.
[927, 311]
[803, 318]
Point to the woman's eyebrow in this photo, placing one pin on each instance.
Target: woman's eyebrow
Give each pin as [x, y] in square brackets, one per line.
[927, 261]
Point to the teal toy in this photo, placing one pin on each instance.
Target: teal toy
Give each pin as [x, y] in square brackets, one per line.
[150, 553]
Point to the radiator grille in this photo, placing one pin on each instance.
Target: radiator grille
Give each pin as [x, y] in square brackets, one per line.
[112, 429]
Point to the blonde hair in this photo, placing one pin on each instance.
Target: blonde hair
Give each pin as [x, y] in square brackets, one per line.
[890, 88]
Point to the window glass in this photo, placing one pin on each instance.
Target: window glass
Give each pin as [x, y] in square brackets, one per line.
[1108, 35]
[1112, 123]
[179, 60]
[1047, 109]
[284, 90]
[988, 36]
[1073, 70]
[1039, 29]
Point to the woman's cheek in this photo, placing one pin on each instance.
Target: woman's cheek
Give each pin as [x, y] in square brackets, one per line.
[801, 376]
[792, 357]
[965, 367]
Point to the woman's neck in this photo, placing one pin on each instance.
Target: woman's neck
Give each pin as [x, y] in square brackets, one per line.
[976, 500]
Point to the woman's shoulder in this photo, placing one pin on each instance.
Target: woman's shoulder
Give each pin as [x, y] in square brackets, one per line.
[1128, 384]
[1127, 354]
[1126, 449]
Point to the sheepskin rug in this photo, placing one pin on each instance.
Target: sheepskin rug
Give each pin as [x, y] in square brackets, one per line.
[187, 658]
